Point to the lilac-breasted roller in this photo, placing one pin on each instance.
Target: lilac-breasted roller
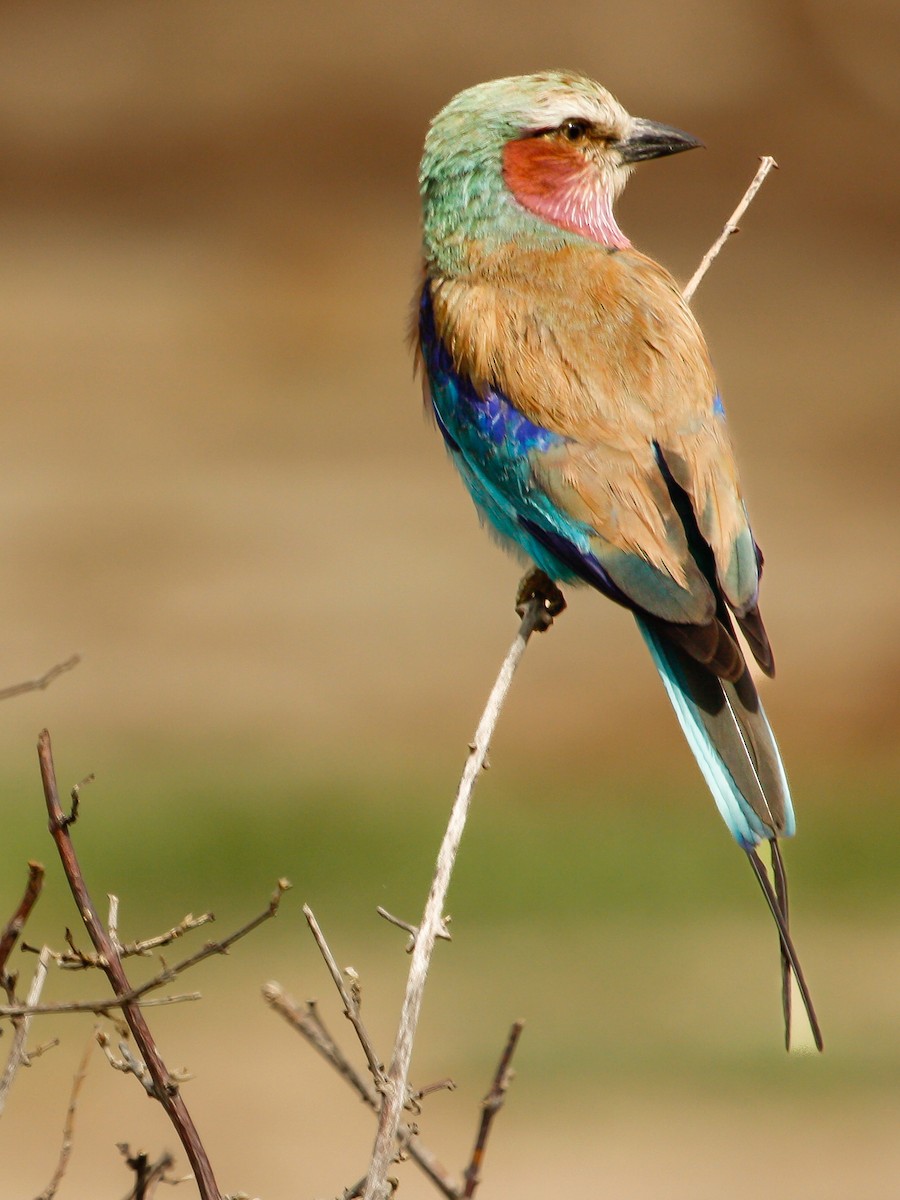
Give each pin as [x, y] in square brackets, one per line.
[574, 392]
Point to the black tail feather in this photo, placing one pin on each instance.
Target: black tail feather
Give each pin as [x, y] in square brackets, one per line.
[757, 639]
[777, 901]
[781, 895]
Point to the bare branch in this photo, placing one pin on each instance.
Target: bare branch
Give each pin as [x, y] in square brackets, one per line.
[408, 1142]
[43, 681]
[440, 1085]
[165, 1088]
[18, 1055]
[351, 1002]
[535, 616]
[187, 924]
[100, 1008]
[413, 930]
[80, 960]
[132, 1066]
[16, 922]
[146, 1173]
[166, 975]
[112, 924]
[68, 1139]
[490, 1106]
[40, 1051]
[309, 1025]
[766, 163]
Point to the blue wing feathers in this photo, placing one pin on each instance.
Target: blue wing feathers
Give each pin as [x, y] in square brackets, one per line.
[727, 730]
[491, 443]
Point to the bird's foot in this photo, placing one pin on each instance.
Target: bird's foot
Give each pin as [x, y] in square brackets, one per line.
[537, 587]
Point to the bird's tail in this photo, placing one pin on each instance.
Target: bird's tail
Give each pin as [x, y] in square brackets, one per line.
[727, 730]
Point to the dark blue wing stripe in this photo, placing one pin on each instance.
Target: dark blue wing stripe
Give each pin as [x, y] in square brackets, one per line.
[585, 566]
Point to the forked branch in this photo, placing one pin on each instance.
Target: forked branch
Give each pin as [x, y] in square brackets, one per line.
[164, 1088]
[309, 1024]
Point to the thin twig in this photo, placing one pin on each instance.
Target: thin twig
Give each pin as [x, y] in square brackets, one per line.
[100, 1008]
[395, 1092]
[147, 1174]
[80, 960]
[490, 1106]
[16, 922]
[429, 1164]
[766, 163]
[165, 1089]
[166, 975]
[351, 1004]
[132, 1066]
[440, 1085]
[18, 1055]
[411, 929]
[68, 1139]
[310, 1025]
[112, 924]
[43, 681]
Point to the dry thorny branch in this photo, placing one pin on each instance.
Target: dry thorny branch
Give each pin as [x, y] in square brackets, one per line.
[74, 959]
[147, 1065]
[390, 1095]
[308, 1022]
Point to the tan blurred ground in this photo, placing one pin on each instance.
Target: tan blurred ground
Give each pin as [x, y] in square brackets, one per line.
[215, 482]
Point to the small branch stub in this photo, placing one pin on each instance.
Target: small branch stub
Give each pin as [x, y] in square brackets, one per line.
[766, 163]
[349, 997]
[16, 922]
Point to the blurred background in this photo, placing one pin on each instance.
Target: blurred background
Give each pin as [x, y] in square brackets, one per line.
[216, 484]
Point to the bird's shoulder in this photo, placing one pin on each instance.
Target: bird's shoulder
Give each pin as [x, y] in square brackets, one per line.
[601, 349]
[577, 337]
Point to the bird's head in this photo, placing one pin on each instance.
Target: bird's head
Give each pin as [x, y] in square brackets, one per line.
[534, 159]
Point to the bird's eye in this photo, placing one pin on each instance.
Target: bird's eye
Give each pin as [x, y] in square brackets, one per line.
[573, 129]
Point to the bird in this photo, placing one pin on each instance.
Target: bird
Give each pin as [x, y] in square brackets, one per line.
[575, 394]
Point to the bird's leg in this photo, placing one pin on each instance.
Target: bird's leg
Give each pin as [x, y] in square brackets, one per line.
[535, 585]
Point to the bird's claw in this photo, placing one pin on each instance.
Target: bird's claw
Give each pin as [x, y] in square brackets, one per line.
[537, 587]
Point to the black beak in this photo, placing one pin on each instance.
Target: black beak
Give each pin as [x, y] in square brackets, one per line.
[648, 139]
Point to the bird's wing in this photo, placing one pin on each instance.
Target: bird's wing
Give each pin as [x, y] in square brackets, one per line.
[599, 353]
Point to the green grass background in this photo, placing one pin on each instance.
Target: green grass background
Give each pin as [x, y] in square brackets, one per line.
[625, 892]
